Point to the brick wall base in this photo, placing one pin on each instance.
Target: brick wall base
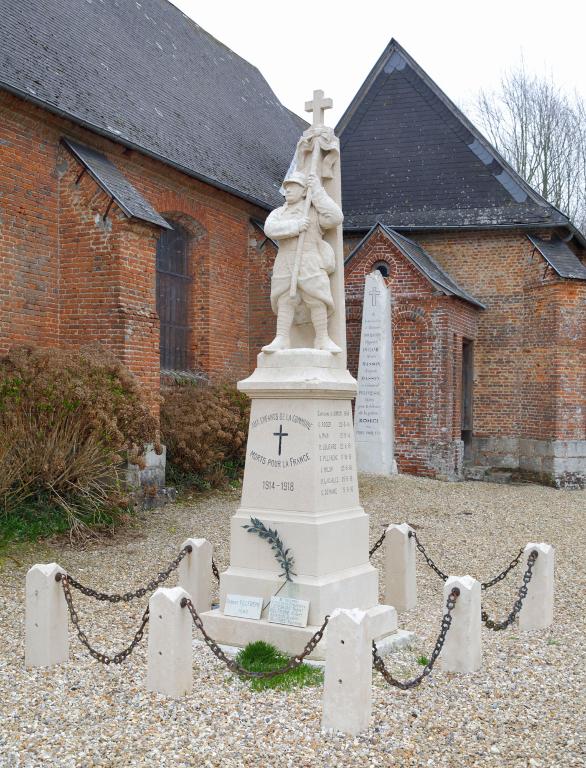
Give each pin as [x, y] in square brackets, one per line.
[431, 458]
[560, 463]
[496, 452]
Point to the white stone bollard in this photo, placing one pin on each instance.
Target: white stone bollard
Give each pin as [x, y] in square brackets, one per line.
[170, 668]
[537, 610]
[400, 586]
[462, 651]
[195, 573]
[46, 637]
[347, 696]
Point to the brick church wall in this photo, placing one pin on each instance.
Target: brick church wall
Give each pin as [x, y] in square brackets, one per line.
[106, 272]
[29, 276]
[428, 329]
[529, 383]
[262, 321]
[67, 277]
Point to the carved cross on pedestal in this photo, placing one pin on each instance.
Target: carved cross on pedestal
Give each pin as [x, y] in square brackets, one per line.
[280, 434]
[318, 106]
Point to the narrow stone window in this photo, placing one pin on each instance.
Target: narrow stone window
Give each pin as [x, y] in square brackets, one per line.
[173, 290]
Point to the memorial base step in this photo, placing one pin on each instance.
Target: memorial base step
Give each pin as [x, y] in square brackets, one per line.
[237, 633]
[395, 641]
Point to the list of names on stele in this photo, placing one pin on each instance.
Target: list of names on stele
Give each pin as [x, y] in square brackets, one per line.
[369, 404]
[291, 450]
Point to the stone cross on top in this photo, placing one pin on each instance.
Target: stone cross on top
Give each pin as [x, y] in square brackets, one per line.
[318, 106]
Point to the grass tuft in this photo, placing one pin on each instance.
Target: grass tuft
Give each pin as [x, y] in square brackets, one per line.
[263, 657]
[423, 660]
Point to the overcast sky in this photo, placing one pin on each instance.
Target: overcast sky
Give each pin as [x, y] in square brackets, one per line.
[301, 45]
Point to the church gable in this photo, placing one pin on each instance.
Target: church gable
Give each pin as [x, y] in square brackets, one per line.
[419, 270]
[412, 159]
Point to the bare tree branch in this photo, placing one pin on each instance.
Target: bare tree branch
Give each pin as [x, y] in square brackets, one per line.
[541, 132]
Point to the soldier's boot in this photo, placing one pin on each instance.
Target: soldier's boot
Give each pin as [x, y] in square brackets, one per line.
[286, 311]
[319, 318]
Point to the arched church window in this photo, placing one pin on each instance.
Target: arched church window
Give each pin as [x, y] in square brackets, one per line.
[173, 290]
[382, 267]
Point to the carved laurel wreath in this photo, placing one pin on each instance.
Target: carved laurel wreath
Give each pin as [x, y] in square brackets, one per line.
[282, 556]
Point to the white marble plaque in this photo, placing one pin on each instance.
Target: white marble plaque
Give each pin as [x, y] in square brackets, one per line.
[373, 421]
[243, 606]
[288, 610]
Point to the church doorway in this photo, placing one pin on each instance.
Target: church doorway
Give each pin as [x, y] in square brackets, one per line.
[466, 408]
[173, 291]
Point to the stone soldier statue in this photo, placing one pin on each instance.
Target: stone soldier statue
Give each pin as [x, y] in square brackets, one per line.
[300, 286]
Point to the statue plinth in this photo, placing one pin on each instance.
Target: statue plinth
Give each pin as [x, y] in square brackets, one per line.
[300, 479]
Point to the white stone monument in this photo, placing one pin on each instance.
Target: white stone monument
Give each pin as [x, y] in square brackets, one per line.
[300, 473]
[374, 425]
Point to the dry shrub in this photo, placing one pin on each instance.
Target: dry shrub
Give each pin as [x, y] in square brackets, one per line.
[68, 420]
[204, 428]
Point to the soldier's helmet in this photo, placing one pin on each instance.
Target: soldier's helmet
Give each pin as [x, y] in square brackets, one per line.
[296, 178]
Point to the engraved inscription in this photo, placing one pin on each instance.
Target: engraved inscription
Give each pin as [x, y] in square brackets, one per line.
[336, 457]
[296, 454]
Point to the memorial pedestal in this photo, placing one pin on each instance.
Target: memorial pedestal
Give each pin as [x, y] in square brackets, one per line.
[300, 479]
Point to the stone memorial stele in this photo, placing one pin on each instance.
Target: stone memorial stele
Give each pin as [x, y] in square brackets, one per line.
[373, 418]
[300, 472]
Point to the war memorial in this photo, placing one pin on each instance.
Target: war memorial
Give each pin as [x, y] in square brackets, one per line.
[300, 575]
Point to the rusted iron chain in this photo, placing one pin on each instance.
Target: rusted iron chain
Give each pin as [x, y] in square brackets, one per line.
[428, 559]
[518, 604]
[378, 543]
[233, 665]
[141, 592]
[103, 658]
[215, 571]
[485, 584]
[514, 562]
[404, 685]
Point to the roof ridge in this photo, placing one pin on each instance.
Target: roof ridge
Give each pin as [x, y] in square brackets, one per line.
[421, 248]
[450, 282]
[453, 289]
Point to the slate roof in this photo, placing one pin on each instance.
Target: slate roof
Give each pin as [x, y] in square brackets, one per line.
[560, 256]
[144, 74]
[411, 159]
[422, 261]
[115, 184]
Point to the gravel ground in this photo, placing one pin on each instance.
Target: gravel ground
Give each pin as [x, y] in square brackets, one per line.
[526, 707]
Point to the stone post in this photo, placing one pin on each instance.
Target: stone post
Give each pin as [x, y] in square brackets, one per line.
[195, 573]
[46, 638]
[537, 610]
[169, 655]
[462, 651]
[400, 585]
[347, 696]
